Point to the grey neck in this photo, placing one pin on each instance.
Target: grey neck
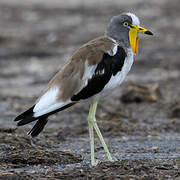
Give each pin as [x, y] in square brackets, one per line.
[121, 40]
[121, 37]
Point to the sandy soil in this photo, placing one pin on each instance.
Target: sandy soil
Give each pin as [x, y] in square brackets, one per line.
[140, 120]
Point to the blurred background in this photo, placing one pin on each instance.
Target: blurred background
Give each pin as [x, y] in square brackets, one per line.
[38, 36]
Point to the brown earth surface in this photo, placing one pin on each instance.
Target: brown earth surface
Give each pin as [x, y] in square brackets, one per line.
[140, 120]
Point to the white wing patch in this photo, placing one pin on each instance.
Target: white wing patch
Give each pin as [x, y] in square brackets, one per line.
[100, 72]
[113, 51]
[88, 73]
[48, 103]
[51, 108]
[49, 98]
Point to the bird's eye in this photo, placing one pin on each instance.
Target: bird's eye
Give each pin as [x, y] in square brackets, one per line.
[125, 24]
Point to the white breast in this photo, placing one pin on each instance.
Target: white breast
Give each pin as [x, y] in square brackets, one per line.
[120, 76]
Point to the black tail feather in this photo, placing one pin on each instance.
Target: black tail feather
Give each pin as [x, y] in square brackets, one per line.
[29, 112]
[26, 120]
[28, 116]
[38, 127]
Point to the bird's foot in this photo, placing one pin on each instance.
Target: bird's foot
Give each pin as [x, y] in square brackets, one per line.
[95, 162]
[112, 159]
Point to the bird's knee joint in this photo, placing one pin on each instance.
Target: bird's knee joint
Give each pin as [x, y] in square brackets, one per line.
[92, 120]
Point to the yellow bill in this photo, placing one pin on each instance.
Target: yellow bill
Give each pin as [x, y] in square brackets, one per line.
[133, 36]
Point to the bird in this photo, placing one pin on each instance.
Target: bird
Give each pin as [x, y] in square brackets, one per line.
[92, 72]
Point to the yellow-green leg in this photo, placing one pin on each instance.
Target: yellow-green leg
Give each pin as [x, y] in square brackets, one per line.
[93, 124]
[91, 135]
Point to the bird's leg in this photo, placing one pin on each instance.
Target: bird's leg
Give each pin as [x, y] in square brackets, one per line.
[94, 106]
[91, 135]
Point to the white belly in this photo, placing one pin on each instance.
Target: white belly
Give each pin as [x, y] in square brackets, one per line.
[120, 76]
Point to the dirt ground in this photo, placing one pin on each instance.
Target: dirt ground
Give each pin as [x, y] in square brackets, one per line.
[140, 120]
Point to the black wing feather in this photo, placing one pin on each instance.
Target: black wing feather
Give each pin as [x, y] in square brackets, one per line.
[108, 67]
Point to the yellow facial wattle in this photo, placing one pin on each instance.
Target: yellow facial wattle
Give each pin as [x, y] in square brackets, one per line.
[133, 39]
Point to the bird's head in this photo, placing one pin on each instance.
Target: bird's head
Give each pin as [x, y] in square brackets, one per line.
[124, 28]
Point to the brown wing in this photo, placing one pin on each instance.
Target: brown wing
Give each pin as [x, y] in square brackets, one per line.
[70, 79]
